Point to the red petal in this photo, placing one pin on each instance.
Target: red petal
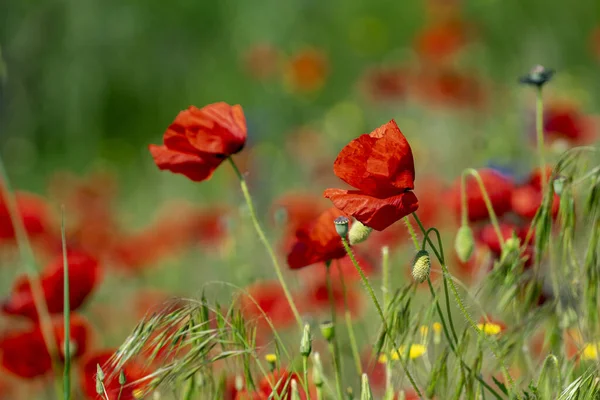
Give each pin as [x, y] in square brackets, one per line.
[379, 164]
[195, 167]
[218, 128]
[371, 211]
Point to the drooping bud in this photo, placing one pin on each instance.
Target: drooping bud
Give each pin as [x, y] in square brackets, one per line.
[358, 233]
[317, 370]
[306, 341]
[464, 243]
[421, 266]
[538, 76]
[365, 389]
[328, 330]
[341, 226]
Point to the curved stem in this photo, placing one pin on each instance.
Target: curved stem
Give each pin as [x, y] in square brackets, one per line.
[486, 200]
[463, 309]
[265, 241]
[371, 292]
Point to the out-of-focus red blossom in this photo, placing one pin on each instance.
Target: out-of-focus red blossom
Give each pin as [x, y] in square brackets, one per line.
[386, 84]
[307, 70]
[564, 121]
[442, 40]
[340, 268]
[296, 209]
[133, 372]
[449, 88]
[84, 276]
[527, 199]
[489, 237]
[481, 260]
[317, 241]
[266, 298]
[282, 380]
[24, 353]
[33, 212]
[381, 166]
[199, 140]
[499, 188]
[262, 60]
[315, 298]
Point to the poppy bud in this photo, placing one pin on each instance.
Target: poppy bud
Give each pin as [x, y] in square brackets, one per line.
[341, 226]
[328, 330]
[306, 341]
[122, 378]
[538, 76]
[421, 266]
[464, 243]
[317, 370]
[365, 389]
[559, 184]
[358, 233]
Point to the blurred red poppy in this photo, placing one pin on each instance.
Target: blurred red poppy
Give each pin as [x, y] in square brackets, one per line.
[307, 70]
[441, 40]
[317, 241]
[132, 390]
[281, 380]
[489, 237]
[84, 276]
[527, 199]
[266, 298]
[563, 121]
[316, 298]
[449, 87]
[381, 166]
[499, 188]
[386, 83]
[24, 353]
[261, 60]
[199, 140]
[34, 215]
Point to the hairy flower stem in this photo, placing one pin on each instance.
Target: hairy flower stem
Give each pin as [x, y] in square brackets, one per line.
[28, 259]
[333, 342]
[66, 312]
[265, 241]
[348, 318]
[447, 277]
[305, 376]
[371, 293]
[486, 200]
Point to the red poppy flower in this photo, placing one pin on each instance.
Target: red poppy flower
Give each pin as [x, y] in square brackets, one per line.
[34, 215]
[199, 140]
[133, 372]
[84, 276]
[563, 121]
[307, 70]
[441, 40]
[498, 187]
[527, 199]
[24, 353]
[381, 166]
[317, 241]
[316, 298]
[449, 88]
[281, 380]
[386, 83]
[266, 298]
[488, 235]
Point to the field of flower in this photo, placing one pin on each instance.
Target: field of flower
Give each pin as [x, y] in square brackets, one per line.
[299, 200]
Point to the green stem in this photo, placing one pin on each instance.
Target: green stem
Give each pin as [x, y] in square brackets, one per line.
[333, 343]
[28, 259]
[189, 390]
[265, 241]
[539, 128]
[411, 231]
[349, 328]
[305, 376]
[461, 306]
[66, 312]
[385, 270]
[371, 293]
[486, 200]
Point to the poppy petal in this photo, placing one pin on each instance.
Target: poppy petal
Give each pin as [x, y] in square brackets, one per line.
[195, 167]
[371, 211]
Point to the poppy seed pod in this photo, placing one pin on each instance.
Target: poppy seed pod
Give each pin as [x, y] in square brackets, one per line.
[341, 226]
[328, 330]
[358, 233]
[538, 76]
[421, 266]
[464, 243]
